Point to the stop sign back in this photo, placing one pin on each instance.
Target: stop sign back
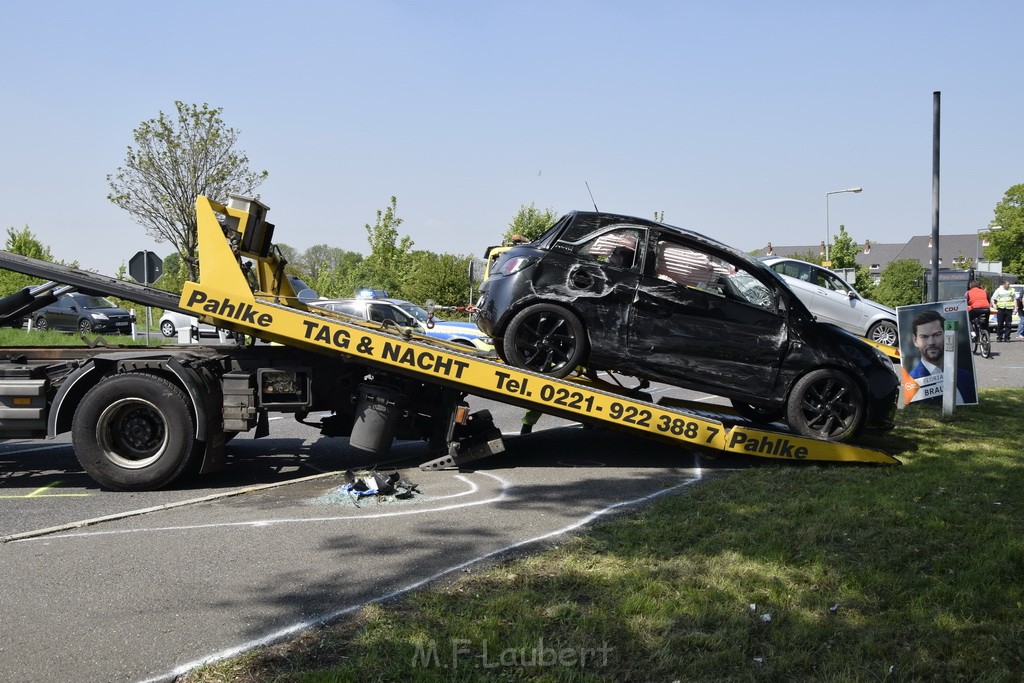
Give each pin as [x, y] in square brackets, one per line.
[146, 267]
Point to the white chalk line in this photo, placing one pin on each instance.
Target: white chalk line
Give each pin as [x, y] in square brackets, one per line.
[473, 488]
[333, 616]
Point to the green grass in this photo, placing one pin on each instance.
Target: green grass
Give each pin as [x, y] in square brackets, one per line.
[868, 573]
[17, 337]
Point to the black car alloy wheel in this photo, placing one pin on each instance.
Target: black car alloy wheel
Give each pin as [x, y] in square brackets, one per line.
[826, 404]
[545, 338]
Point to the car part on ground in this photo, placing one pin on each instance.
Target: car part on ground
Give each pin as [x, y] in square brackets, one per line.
[638, 297]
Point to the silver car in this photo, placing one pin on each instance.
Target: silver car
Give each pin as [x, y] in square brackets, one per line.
[832, 300]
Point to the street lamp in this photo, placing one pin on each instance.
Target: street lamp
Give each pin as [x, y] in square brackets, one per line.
[977, 247]
[828, 231]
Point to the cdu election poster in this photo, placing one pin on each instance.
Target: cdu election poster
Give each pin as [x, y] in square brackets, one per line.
[923, 351]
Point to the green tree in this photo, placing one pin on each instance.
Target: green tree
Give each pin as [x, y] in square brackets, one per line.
[328, 270]
[1007, 244]
[530, 222]
[387, 265]
[291, 257]
[812, 256]
[444, 278]
[25, 243]
[901, 283]
[174, 275]
[342, 279]
[843, 251]
[174, 161]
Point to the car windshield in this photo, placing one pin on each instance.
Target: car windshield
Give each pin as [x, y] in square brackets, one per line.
[86, 301]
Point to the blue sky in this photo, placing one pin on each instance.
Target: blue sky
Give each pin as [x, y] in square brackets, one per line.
[733, 118]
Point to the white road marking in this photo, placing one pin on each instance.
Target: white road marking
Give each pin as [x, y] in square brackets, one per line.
[294, 629]
[473, 488]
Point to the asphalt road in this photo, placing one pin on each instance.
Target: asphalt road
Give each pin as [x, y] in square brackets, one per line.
[196, 573]
[146, 596]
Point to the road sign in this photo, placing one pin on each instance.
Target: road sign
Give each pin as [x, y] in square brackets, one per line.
[146, 267]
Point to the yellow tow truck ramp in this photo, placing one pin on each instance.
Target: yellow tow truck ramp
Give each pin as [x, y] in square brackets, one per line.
[243, 288]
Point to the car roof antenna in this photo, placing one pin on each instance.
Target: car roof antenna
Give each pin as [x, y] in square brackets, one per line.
[591, 196]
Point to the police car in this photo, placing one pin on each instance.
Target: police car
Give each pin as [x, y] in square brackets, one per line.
[375, 305]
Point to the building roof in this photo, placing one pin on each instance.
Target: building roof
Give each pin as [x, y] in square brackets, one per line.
[876, 256]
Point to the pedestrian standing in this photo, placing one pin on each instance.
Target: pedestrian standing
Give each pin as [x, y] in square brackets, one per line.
[1019, 300]
[1002, 299]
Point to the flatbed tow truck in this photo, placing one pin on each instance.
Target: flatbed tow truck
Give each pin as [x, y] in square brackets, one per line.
[142, 417]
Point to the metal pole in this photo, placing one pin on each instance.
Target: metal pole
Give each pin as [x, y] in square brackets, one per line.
[828, 235]
[145, 276]
[933, 284]
[949, 332]
[828, 230]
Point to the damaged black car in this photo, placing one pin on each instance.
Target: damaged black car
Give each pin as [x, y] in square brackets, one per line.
[646, 299]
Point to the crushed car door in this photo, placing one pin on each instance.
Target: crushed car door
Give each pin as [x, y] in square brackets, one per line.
[704, 321]
[605, 267]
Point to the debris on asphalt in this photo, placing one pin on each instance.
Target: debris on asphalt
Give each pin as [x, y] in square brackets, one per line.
[377, 484]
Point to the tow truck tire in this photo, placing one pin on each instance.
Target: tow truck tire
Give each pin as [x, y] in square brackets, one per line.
[826, 404]
[135, 432]
[545, 338]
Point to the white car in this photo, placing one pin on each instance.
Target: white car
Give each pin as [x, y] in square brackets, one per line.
[171, 322]
[832, 300]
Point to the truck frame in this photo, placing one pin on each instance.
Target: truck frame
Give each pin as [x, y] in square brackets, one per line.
[143, 417]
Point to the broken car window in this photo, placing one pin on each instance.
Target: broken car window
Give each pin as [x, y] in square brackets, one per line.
[690, 267]
[618, 248]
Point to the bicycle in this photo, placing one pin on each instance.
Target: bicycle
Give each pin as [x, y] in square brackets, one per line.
[980, 337]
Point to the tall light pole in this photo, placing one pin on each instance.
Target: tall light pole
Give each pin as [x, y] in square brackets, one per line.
[977, 247]
[828, 230]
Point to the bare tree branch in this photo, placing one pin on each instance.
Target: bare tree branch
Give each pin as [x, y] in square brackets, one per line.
[174, 162]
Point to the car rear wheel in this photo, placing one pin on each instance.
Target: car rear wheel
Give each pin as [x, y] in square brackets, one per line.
[545, 338]
[884, 332]
[167, 328]
[826, 404]
[41, 324]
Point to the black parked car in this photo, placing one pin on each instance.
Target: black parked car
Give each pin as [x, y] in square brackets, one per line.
[83, 313]
[657, 302]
